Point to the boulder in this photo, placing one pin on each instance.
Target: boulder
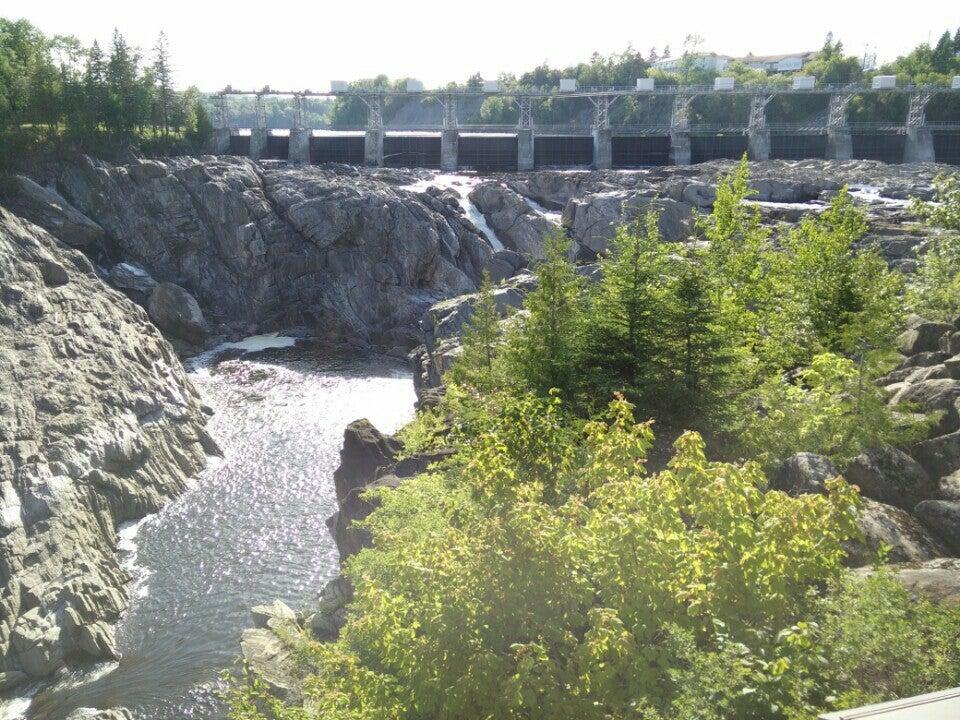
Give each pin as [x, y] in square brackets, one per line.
[950, 343]
[948, 488]
[923, 337]
[890, 476]
[11, 679]
[885, 525]
[331, 616]
[934, 395]
[94, 714]
[97, 641]
[132, 279]
[943, 518]
[937, 579]
[592, 220]
[270, 658]
[923, 359]
[365, 449]
[517, 225]
[277, 610]
[939, 456]
[36, 641]
[952, 366]
[505, 264]
[176, 312]
[803, 472]
[53, 273]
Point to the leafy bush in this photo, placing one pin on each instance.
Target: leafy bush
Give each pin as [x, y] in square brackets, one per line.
[833, 408]
[544, 578]
[934, 291]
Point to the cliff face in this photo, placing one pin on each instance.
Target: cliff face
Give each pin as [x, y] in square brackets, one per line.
[98, 425]
[340, 253]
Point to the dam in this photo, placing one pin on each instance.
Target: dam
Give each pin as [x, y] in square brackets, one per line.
[675, 139]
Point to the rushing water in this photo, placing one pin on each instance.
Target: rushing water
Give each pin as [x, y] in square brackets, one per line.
[249, 530]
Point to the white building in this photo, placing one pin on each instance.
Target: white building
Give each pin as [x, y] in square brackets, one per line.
[704, 61]
[790, 62]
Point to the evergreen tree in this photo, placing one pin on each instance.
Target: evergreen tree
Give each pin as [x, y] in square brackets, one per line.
[541, 349]
[163, 77]
[698, 353]
[476, 365]
[95, 87]
[835, 298]
[739, 260]
[622, 325]
[122, 73]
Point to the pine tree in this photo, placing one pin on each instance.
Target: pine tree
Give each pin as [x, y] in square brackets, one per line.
[163, 77]
[476, 365]
[542, 349]
[698, 352]
[122, 72]
[95, 86]
[619, 352]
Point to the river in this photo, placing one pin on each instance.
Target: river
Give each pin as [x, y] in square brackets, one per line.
[249, 529]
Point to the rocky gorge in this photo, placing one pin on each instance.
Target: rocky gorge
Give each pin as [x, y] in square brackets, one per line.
[107, 272]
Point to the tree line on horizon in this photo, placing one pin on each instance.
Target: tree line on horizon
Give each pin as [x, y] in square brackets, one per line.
[57, 94]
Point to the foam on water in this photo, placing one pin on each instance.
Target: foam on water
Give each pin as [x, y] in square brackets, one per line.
[872, 194]
[551, 215]
[254, 343]
[16, 708]
[127, 548]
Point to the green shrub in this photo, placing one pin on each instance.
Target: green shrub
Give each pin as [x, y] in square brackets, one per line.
[934, 290]
[834, 408]
[544, 578]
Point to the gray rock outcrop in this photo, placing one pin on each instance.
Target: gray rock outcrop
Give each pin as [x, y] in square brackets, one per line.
[98, 425]
[517, 225]
[341, 253]
[47, 208]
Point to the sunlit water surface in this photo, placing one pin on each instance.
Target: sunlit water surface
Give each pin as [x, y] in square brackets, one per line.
[249, 530]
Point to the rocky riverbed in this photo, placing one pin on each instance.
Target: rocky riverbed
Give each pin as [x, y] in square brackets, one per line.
[100, 424]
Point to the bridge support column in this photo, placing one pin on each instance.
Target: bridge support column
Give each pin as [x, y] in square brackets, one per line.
[299, 151]
[758, 144]
[602, 148]
[919, 146]
[839, 144]
[525, 149]
[258, 143]
[220, 142]
[449, 150]
[373, 148]
[680, 152]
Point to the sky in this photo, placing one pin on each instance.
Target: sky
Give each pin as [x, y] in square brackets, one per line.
[304, 45]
